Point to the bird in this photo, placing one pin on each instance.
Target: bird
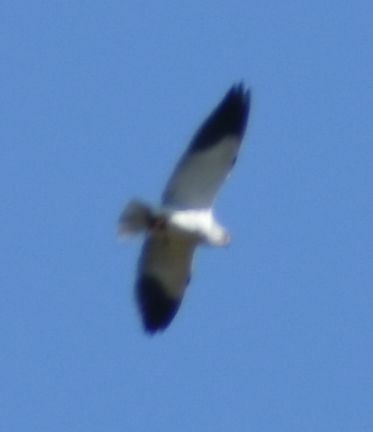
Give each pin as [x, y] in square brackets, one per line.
[185, 219]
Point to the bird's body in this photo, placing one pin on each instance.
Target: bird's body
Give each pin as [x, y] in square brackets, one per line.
[200, 224]
[185, 218]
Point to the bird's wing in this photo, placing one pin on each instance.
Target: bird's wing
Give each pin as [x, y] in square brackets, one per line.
[211, 154]
[164, 273]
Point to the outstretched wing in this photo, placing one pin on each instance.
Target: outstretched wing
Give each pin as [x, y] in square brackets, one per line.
[211, 154]
[164, 273]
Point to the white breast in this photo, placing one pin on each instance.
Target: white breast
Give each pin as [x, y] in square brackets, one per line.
[196, 221]
[200, 223]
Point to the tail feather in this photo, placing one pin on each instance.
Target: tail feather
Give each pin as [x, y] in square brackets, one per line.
[135, 218]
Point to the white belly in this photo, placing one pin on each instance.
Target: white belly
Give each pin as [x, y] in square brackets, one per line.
[200, 223]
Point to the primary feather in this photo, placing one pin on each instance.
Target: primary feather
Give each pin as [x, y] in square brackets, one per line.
[164, 272]
[211, 155]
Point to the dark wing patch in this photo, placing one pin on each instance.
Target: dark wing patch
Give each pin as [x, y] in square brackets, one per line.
[157, 308]
[228, 118]
[210, 157]
[163, 270]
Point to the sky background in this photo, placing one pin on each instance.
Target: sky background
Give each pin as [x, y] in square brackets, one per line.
[98, 100]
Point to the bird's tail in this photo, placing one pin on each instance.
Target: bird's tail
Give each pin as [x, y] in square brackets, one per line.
[135, 218]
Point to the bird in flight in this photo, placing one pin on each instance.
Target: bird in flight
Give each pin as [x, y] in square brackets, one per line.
[185, 218]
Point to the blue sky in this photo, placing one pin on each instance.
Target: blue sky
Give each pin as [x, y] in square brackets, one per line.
[98, 100]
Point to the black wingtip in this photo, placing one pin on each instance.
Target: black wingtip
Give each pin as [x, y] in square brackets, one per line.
[157, 308]
[234, 109]
[228, 118]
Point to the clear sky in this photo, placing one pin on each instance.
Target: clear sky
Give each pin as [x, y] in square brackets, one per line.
[98, 100]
